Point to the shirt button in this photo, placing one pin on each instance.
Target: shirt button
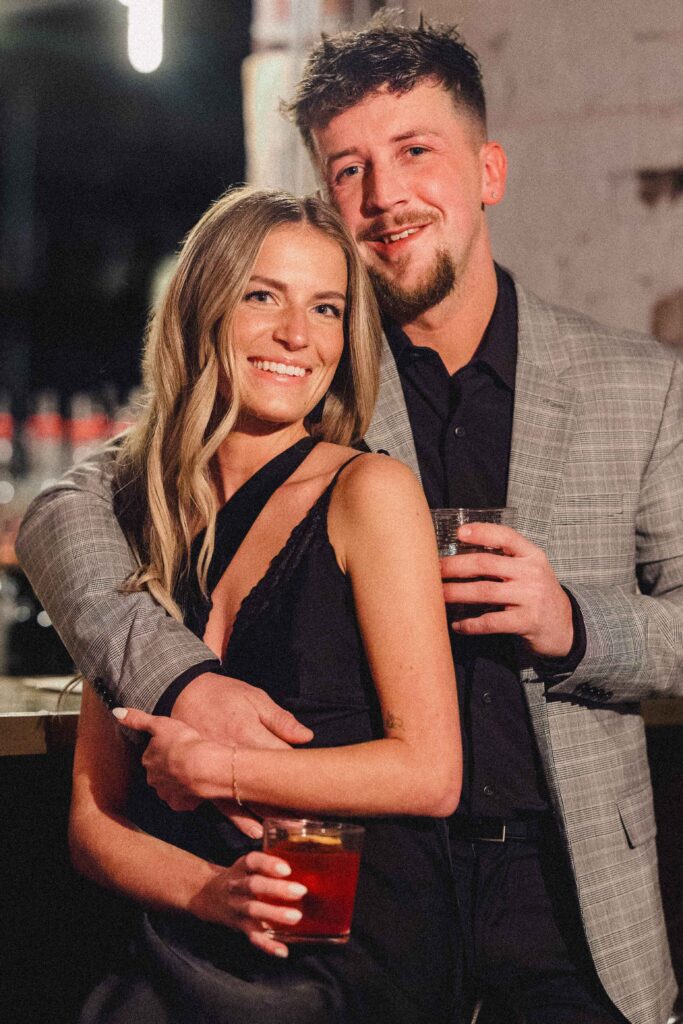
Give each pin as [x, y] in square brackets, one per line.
[486, 698]
[489, 791]
[459, 431]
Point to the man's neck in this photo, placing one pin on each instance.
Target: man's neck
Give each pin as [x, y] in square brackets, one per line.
[456, 326]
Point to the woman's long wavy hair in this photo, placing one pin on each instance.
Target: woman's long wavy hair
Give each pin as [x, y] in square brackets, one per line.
[165, 491]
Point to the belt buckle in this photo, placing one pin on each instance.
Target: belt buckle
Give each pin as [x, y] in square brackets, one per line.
[496, 839]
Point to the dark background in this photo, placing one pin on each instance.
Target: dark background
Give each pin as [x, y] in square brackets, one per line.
[102, 171]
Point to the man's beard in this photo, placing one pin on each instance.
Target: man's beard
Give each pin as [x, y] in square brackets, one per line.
[403, 305]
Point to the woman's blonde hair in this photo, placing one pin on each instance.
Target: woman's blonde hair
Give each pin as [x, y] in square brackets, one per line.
[164, 485]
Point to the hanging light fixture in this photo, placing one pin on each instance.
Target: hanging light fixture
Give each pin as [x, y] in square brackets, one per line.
[145, 34]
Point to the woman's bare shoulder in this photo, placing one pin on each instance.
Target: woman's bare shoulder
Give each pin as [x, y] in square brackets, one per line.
[373, 480]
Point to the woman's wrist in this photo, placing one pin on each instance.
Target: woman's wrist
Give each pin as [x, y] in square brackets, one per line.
[200, 898]
[210, 771]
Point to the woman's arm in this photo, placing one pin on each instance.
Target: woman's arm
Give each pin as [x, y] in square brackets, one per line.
[109, 849]
[381, 530]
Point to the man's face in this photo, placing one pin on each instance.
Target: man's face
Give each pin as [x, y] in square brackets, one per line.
[409, 173]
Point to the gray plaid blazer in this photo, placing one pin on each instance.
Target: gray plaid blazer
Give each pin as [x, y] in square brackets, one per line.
[596, 474]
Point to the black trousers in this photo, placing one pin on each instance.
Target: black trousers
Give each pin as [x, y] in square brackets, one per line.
[525, 951]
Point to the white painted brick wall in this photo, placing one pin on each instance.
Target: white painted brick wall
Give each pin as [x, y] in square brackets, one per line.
[583, 94]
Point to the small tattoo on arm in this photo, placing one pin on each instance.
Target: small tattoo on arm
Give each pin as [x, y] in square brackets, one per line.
[392, 721]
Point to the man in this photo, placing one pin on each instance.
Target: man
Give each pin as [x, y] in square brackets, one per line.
[492, 397]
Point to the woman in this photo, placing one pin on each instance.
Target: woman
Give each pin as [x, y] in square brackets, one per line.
[311, 571]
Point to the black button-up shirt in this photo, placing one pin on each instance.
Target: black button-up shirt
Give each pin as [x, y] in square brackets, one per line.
[462, 426]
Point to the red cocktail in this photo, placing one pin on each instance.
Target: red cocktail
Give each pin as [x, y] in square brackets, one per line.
[325, 857]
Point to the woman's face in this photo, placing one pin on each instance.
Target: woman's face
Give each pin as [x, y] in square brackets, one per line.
[287, 331]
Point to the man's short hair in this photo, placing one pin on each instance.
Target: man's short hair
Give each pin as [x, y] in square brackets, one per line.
[342, 69]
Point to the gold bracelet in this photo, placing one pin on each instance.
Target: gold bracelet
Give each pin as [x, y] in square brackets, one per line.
[235, 791]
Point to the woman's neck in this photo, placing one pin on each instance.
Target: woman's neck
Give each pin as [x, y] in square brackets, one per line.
[244, 452]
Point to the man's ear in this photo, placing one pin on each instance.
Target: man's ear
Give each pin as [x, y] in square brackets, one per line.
[494, 166]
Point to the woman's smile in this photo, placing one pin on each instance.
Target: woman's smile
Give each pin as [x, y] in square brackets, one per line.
[289, 326]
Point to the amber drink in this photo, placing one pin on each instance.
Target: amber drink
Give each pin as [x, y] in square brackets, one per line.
[325, 857]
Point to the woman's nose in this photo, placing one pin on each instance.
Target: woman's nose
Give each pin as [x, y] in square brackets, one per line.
[292, 328]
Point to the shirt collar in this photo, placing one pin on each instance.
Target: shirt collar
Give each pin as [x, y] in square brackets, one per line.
[498, 347]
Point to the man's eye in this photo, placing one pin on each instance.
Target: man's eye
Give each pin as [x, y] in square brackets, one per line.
[349, 172]
[417, 150]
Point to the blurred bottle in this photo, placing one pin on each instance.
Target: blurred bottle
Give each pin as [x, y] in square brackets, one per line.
[45, 445]
[126, 414]
[88, 426]
[10, 507]
[30, 645]
[8, 486]
[9, 590]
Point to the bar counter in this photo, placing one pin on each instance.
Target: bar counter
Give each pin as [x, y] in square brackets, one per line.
[38, 717]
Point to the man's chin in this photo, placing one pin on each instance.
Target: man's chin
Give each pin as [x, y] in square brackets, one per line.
[404, 303]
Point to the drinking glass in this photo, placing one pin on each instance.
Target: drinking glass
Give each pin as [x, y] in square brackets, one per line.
[325, 857]
[446, 524]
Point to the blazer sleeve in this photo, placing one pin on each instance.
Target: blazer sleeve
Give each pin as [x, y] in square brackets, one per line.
[73, 551]
[634, 641]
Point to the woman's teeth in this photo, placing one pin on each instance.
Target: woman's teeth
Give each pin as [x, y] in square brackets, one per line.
[288, 370]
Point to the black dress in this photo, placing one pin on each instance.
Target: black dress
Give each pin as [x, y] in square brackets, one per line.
[296, 636]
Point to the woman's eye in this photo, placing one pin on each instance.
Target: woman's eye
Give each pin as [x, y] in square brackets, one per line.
[329, 309]
[259, 295]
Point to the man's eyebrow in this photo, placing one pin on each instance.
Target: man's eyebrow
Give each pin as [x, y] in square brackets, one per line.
[339, 154]
[410, 133]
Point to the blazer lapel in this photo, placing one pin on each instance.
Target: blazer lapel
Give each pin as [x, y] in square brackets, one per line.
[543, 419]
[390, 430]
[542, 422]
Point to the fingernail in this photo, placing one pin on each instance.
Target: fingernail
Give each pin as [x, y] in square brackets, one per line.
[464, 531]
[282, 869]
[256, 831]
[293, 916]
[119, 712]
[297, 890]
[281, 951]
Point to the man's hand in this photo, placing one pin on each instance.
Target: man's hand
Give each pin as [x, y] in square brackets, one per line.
[231, 711]
[533, 605]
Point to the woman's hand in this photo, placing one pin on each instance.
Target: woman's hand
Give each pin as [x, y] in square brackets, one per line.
[248, 897]
[178, 762]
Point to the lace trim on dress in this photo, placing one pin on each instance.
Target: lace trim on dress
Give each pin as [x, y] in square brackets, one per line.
[311, 529]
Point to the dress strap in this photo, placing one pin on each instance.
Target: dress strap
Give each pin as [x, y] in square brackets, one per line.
[233, 523]
[324, 499]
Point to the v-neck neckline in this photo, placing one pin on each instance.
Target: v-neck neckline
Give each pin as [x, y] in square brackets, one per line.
[233, 523]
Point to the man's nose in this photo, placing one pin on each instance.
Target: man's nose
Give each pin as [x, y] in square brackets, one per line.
[384, 188]
[291, 329]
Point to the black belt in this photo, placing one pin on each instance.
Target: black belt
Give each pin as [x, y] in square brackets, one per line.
[496, 830]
